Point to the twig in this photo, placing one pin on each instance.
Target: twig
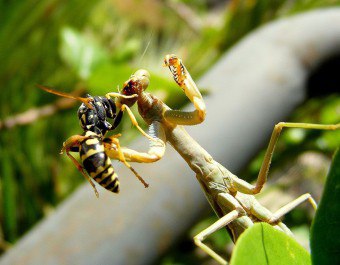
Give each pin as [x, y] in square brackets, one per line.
[186, 14]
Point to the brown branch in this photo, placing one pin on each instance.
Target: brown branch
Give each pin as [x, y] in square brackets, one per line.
[185, 13]
[4, 245]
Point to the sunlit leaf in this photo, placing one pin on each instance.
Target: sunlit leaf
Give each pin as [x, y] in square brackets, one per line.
[80, 52]
[263, 244]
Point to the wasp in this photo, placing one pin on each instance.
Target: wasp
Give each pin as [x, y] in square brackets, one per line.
[93, 115]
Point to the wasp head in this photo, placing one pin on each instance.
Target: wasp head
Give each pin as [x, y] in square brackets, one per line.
[137, 83]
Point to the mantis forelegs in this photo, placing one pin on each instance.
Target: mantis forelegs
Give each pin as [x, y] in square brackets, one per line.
[114, 141]
[155, 152]
[184, 80]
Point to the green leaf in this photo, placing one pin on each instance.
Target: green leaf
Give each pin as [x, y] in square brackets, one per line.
[263, 244]
[325, 235]
[81, 53]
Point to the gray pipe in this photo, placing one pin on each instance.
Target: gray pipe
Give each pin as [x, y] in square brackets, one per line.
[255, 85]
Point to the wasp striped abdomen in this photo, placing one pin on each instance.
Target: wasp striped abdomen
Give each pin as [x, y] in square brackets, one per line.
[97, 163]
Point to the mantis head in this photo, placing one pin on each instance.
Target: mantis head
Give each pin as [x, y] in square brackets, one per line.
[137, 83]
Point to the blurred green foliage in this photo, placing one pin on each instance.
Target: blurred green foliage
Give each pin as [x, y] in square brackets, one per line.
[73, 44]
[249, 14]
[95, 45]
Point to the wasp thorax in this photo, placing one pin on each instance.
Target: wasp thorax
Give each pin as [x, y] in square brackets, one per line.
[95, 119]
[88, 118]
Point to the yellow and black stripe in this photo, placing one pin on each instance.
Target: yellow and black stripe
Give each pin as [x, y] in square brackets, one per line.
[97, 163]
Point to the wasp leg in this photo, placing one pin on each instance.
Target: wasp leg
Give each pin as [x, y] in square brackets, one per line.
[114, 141]
[69, 145]
[184, 81]
[245, 187]
[131, 115]
[155, 152]
[135, 123]
[72, 143]
[119, 95]
[81, 170]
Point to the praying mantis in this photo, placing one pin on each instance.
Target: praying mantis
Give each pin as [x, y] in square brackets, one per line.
[231, 198]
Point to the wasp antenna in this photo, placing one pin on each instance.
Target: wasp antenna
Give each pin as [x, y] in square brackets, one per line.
[86, 101]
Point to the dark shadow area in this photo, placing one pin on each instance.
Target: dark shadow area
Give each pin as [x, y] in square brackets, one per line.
[325, 79]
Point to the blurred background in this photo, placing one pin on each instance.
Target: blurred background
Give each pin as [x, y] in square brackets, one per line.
[93, 47]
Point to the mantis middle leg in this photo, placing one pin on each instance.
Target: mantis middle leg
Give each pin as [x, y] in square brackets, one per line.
[245, 187]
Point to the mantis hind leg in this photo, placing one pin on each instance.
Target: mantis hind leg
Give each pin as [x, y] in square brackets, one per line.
[229, 203]
[292, 205]
[264, 215]
[220, 223]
